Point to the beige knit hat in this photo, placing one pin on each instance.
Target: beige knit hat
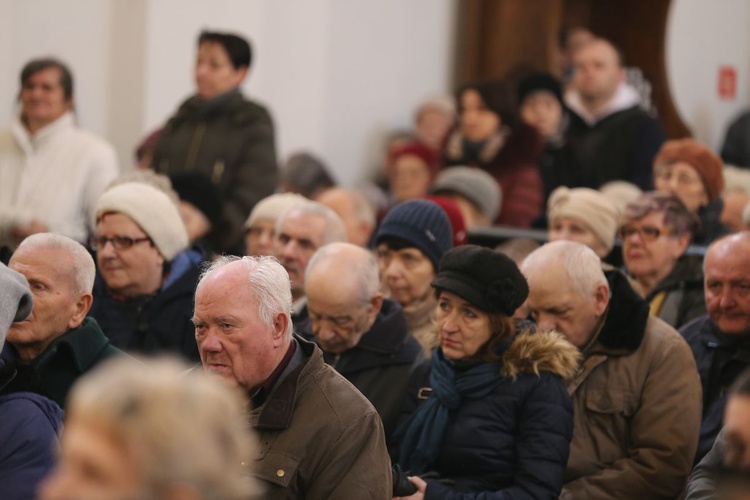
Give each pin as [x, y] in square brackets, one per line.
[152, 210]
[271, 207]
[590, 207]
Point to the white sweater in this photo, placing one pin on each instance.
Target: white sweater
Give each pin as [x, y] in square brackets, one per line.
[55, 176]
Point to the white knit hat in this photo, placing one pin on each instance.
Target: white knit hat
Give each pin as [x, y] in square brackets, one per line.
[152, 210]
[271, 207]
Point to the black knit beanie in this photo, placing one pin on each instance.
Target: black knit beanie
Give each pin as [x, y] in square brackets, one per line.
[540, 82]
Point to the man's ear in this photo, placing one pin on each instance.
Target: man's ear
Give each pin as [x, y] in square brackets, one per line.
[376, 304]
[81, 309]
[280, 323]
[601, 299]
[241, 74]
[683, 241]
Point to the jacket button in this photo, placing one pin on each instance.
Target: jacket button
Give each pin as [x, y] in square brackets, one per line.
[604, 403]
[280, 473]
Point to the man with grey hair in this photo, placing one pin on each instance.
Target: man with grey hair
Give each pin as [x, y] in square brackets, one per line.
[300, 231]
[57, 343]
[637, 397]
[355, 211]
[320, 438]
[363, 336]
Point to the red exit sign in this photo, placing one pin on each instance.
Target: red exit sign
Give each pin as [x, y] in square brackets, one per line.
[727, 83]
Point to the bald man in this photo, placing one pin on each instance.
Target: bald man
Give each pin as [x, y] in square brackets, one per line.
[636, 398]
[364, 336]
[612, 136]
[720, 340]
[355, 211]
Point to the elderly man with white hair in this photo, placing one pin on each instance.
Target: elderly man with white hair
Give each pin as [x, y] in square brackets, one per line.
[363, 335]
[637, 396]
[320, 438]
[57, 343]
[29, 423]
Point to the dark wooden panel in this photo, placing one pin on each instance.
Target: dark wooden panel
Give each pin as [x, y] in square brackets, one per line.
[497, 37]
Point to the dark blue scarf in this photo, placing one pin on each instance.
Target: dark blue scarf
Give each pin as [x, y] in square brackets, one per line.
[423, 434]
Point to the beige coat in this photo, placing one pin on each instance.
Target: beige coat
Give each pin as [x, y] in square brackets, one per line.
[637, 407]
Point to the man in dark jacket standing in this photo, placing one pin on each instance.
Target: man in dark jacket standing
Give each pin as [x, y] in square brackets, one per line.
[720, 340]
[636, 397]
[319, 437]
[221, 134]
[363, 336]
[57, 343]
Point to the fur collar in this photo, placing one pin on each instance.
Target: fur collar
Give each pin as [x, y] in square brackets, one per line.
[534, 353]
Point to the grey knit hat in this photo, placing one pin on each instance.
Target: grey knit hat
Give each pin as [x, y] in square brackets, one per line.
[152, 210]
[16, 301]
[474, 184]
[421, 223]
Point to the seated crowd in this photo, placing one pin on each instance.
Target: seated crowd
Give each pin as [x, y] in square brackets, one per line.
[342, 343]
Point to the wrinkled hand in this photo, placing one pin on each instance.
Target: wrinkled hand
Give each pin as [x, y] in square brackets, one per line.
[421, 488]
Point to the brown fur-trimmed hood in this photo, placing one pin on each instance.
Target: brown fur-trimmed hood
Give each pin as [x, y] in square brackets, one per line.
[541, 352]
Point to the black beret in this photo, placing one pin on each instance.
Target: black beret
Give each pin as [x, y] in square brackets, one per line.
[489, 280]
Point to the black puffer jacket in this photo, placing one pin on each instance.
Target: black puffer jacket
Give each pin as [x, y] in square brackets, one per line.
[513, 444]
[382, 363]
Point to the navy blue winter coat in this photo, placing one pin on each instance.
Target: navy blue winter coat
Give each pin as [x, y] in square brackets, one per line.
[513, 444]
[29, 425]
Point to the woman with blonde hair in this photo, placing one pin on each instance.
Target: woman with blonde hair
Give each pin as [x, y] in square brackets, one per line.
[152, 430]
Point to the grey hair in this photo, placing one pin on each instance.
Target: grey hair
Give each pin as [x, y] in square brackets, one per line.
[582, 266]
[82, 271]
[269, 283]
[335, 230]
[362, 269]
[363, 209]
[187, 427]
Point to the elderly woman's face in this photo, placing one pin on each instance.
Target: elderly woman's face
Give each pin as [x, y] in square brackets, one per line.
[136, 270]
[406, 273]
[682, 179]
[478, 122]
[648, 247]
[572, 229]
[462, 328]
[92, 466]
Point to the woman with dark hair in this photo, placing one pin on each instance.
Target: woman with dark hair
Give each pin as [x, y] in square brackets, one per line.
[490, 137]
[496, 420]
[656, 230]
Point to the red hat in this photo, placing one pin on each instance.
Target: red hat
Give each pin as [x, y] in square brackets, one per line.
[417, 149]
[454, 214]
[699, 156]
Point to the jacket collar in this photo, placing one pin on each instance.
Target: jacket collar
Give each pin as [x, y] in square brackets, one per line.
[688, 270]
[625, 98]
[625, 324]
[276, 413]
[84, 344]
[43, 136]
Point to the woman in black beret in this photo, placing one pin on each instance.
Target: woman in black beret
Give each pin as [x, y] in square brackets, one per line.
[495, 420]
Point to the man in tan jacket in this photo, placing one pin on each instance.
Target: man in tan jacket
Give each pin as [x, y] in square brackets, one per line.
[637, 396]
[319, 437]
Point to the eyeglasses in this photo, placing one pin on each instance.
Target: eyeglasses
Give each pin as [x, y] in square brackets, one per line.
[647, 233]
[119, 242]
